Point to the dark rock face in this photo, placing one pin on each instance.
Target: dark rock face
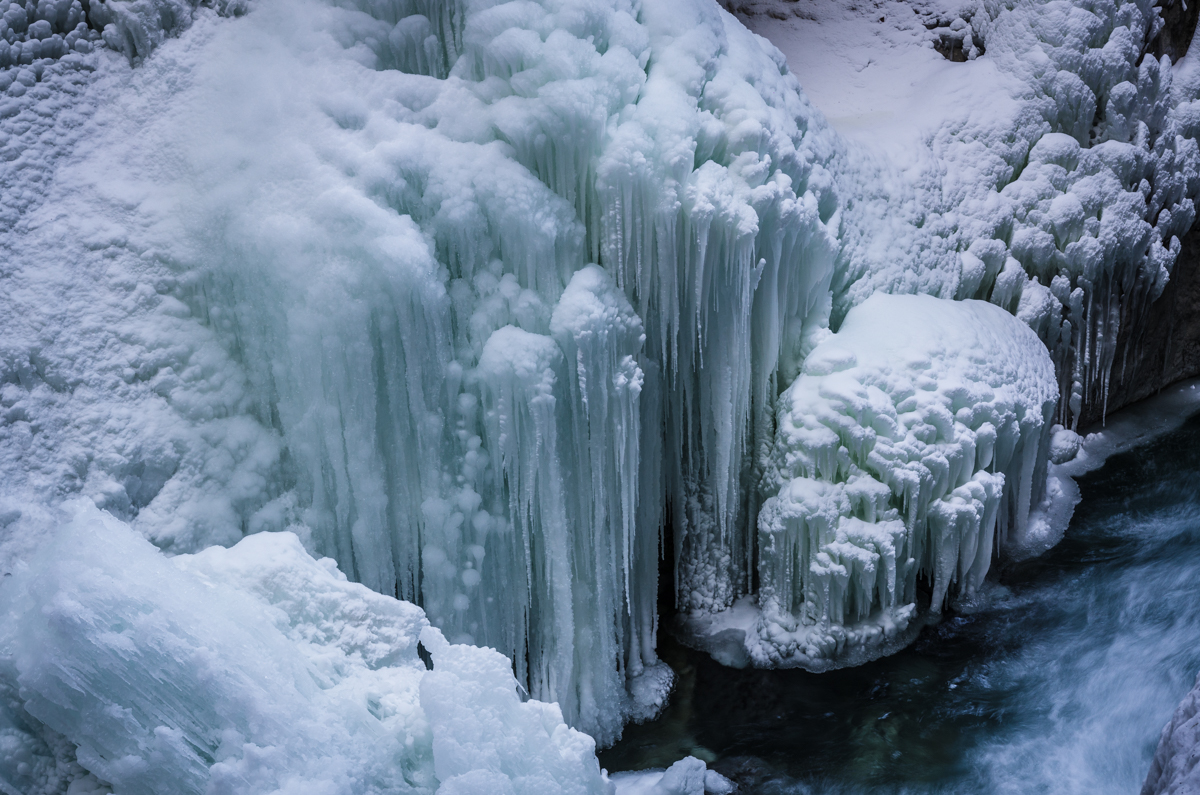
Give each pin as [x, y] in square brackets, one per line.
[1162, 347]
[1179, 23]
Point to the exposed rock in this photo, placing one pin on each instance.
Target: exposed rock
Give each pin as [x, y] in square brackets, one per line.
[1179, 23]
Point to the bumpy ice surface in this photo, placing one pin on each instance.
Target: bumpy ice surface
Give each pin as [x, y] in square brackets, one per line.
[252, 669]
[912, 445]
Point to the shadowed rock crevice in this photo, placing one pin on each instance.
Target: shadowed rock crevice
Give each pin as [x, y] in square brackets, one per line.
[1179, 24]
[1164, 346]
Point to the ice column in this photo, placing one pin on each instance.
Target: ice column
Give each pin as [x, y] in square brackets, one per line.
[473, 416]
[717, 216]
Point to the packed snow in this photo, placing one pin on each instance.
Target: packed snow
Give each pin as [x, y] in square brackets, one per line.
[492, 302]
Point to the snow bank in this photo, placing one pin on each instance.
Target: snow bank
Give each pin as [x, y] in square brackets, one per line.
[910, 448]
[253, 669]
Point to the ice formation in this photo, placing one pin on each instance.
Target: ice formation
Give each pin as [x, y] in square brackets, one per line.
[688, 776]
[397, 346]
[1068, 149]
[253, 669]
[1066, 204]
[910, 448]
[492, 302]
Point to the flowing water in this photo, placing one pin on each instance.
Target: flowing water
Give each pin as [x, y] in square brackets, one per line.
[1058, 681]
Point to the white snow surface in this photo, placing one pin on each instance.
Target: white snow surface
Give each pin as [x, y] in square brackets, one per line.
[253, 669]
[871, 68]
[460, 293]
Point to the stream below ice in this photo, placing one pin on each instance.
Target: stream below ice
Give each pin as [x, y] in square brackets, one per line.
[1059, 680]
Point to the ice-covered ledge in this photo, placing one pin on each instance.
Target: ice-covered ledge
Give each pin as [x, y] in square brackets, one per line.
[907, 453]
[735, 637]
[1073, 455]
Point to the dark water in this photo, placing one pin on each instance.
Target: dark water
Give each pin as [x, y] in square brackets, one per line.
[1059, 681]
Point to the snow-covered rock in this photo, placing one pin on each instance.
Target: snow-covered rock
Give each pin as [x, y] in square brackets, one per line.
[911, 447]
[688, 776]
[1064, 444]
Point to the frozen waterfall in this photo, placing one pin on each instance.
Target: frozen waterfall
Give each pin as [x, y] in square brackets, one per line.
[442, 394]
[465, 399]
[496, 304]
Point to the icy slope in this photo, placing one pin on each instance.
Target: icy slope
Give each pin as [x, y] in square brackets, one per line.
[1176, 766]
[911, 447]
[254, 669]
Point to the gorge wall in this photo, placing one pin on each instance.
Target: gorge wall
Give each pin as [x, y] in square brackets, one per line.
[1163, 345]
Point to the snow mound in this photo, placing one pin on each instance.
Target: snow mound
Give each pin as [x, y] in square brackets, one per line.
[1064, 445]
[254, 669]
[910, 447]
[688, 776]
